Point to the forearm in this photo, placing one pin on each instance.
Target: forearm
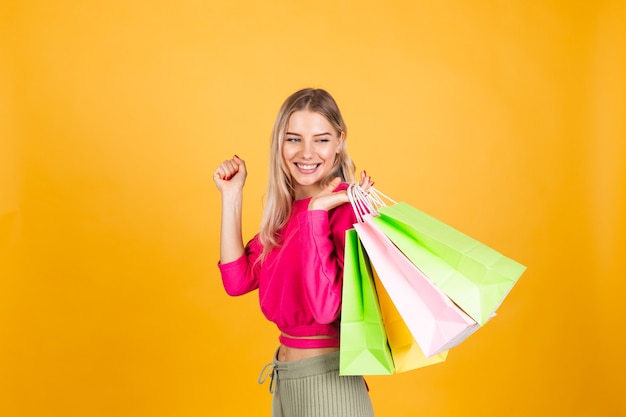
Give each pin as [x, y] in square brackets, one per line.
[231, 240]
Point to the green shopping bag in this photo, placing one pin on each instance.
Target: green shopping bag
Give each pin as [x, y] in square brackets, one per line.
[476, 277]
[363, 342]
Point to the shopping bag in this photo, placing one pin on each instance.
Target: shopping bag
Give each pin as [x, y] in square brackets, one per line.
[406, 353]
[435, 322]
[363, 342]
[476, 277]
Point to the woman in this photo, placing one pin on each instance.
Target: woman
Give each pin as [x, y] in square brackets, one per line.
[296, 259]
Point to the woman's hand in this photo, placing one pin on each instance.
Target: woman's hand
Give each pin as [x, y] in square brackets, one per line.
[327, 199]
[230, 175]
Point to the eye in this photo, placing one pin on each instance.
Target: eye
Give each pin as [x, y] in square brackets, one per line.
[292, 139]
[323, 140]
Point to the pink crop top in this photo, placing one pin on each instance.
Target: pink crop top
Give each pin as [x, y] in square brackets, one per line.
[299, 282]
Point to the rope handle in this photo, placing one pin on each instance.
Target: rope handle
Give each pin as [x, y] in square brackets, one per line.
[366, 201]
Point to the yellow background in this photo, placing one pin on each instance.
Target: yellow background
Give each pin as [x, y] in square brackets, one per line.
[504, 119]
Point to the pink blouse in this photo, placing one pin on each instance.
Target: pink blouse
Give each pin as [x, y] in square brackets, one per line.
[299, 282]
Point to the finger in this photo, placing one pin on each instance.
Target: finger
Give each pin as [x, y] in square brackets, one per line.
[230, 169]
[233, 166]
[365, 180]
[241, 164]
[226, 170]
[221, 170]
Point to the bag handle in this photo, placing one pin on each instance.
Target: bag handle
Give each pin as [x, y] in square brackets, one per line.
[359, 205]
[366, 202]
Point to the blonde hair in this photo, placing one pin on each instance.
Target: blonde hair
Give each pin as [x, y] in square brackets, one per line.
[280, 190]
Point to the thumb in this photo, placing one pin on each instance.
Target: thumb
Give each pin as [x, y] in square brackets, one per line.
[238, 160]
[241, 164]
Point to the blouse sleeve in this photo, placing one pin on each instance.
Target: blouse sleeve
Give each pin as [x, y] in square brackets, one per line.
[242, 275]
[322, 247]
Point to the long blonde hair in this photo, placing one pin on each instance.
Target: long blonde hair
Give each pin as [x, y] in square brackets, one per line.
[280, 190]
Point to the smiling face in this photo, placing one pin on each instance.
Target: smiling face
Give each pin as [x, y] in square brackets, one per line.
[309, 149]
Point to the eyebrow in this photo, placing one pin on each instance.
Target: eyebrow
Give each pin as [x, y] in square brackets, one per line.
[297, 134]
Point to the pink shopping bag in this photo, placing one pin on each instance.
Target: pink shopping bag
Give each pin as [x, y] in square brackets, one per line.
[407, 354]
[435, 322]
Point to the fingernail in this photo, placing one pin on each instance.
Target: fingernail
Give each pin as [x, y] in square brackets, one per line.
[237, 157]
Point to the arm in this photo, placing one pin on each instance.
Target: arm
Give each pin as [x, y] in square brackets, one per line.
[237, 274]
[230, 178]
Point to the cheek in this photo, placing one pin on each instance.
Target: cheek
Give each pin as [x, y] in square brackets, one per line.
[329, 155]
[287, 154]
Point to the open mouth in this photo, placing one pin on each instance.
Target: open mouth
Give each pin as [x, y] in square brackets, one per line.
[307, 167]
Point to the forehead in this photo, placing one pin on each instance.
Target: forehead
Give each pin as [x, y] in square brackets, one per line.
[305, 121]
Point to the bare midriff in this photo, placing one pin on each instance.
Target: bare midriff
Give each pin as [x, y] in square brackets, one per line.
[290, 354]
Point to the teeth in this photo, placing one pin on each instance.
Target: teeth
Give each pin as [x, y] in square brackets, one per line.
[307, 167]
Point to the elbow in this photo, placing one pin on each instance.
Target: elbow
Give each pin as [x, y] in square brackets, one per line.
[235, 288]
[235, 291]
[238, 281]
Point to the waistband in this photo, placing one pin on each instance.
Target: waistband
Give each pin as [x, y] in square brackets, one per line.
[317, 365]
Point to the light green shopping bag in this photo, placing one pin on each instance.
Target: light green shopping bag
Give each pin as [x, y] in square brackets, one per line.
[363, 342]
[476, 277]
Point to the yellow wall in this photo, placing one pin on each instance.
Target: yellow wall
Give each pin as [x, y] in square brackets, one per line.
[504, 119]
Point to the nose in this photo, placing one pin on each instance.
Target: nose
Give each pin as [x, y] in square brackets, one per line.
[307, 149]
